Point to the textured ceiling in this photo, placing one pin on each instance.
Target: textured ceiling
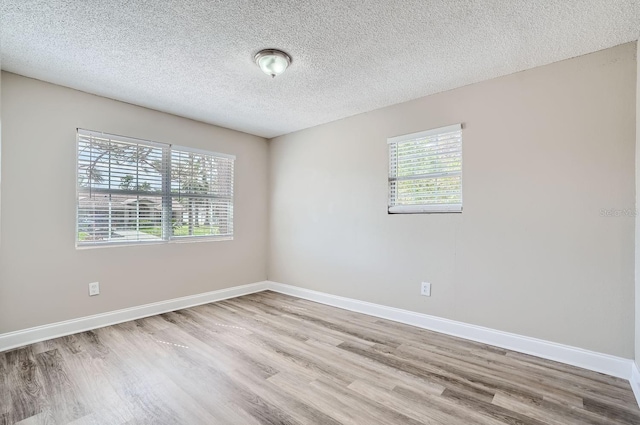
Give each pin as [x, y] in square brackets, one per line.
[194, 58]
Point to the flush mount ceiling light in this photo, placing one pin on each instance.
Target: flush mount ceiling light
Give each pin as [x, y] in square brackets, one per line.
[272, 62]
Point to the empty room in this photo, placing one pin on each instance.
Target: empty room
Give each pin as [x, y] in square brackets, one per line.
[319, 212]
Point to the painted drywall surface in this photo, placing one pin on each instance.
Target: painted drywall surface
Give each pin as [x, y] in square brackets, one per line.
[637, 233]
[0, 154]
[547, 153]
[43, 277]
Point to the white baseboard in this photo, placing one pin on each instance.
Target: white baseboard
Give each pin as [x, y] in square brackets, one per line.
[24, 337]
[599, 362]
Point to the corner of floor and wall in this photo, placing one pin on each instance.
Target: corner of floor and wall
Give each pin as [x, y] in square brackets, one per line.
[541, 260]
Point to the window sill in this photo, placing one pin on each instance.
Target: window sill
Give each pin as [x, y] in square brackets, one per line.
[182, 240]
[424, 209]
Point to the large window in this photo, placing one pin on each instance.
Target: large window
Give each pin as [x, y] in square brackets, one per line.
[425, 171]
[132, 190]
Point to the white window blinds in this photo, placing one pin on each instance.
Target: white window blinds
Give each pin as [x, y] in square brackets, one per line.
[425, 171]
[202, 193]
[132, 190]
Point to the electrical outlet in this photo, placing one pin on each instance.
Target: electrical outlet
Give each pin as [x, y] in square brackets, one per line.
[94, 289]
[425, 289]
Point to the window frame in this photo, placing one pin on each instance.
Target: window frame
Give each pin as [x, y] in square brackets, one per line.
[394, 208]
[165, 194]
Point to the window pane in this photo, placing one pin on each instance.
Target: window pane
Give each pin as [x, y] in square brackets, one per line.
[425, 170]
[202, 174]
[115, 165]
[442, 190]
[118, 218]
[202, 217]
[202, 193]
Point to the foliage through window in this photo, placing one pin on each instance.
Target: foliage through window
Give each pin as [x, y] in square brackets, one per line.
[132, 190]
[425, 171]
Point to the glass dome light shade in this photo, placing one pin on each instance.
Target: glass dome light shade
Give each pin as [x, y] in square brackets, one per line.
[272, 62]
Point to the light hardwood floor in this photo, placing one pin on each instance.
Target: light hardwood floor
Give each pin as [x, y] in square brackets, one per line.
[272, 359]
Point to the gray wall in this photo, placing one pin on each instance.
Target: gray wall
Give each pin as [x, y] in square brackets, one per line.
[545, 151]
[637, 289]
[43, 276]
[0, 150]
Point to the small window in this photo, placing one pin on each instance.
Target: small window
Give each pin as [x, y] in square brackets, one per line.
[132, 191]
[425, 171]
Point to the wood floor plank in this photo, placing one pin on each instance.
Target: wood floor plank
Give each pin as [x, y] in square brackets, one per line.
[268, 358]
[224, 398]
[301, 411]
[460, 383]
[546, 412]
[65, 404]
[24, 382]
[622, 414]
[556, 366]
[331, 322]
[295, 321]
[374, 372]
[43, 418]
[504, 379]
[383, 414]
[430, 409]
[114, 415]
[5, 394]
[481, 407]
[146, 387]
[535, 376]
[94, 389]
